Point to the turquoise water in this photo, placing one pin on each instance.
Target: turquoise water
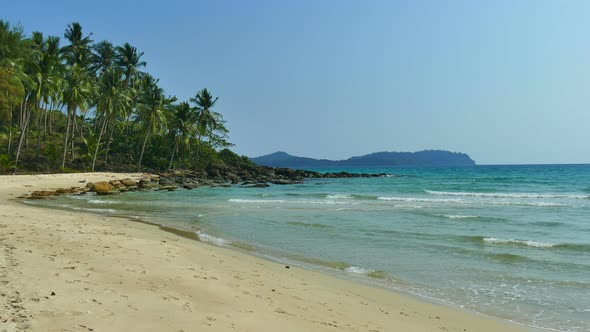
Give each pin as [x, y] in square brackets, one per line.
[508, 241]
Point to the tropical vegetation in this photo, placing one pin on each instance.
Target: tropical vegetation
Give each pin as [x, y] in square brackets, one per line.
[72, 104]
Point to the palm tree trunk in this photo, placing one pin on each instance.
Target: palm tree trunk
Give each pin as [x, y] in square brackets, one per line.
[173, 151]
[98, 143]
[142, 150]
[22, 136]
[106, 156]
[63, 161]
[10, 131]
[39, 120]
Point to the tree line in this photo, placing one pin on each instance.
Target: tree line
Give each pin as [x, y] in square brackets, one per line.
[91, 105]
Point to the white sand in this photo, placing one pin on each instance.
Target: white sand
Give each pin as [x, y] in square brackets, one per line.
[119, 275]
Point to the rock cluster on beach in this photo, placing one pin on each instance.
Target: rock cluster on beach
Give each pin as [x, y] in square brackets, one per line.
[253, 177]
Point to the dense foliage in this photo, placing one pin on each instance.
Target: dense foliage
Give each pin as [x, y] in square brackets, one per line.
[91, 106]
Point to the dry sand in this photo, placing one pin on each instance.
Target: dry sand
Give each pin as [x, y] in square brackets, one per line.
[69, 271]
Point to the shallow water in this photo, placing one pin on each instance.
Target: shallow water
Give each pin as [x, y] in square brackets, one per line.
[508, 241]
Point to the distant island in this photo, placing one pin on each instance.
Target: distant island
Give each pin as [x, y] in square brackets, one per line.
[377, 159]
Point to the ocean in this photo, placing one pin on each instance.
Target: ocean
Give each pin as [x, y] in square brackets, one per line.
[507, 241]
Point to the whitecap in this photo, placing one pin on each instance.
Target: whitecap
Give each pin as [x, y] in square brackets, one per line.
[239, 200]
[100, 201]
[459, 216]
[530, 243]
[505, 195]
[338, 196]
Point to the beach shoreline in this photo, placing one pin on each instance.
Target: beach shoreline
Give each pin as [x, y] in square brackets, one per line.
[75, 271]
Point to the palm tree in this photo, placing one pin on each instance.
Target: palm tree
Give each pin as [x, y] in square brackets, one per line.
[77, 94]
[78, 51]
[103, 57]
[112, 100]
[152, 109]
[77, 56]
[46, 73]
[130, 61]
[210, 124]
[181, 126]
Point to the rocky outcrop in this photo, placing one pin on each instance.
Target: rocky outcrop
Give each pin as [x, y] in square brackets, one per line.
[248, 177]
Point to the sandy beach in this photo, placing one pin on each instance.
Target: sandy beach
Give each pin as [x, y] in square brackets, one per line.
[69, 271]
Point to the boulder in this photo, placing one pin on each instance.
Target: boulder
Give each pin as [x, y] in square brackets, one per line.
[128, 182]
[190, 185]
[118, 184]
[166, 182]
[66, 190]
[144, 184]
[43, 193]
[103, 188]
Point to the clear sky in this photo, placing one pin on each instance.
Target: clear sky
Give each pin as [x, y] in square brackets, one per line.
[504, 81]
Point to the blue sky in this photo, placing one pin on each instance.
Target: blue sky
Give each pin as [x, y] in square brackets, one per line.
[505, 81]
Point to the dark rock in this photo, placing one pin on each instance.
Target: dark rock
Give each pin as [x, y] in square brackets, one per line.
[169, 188]
[259, 185]
[144, 184]
[166, 181]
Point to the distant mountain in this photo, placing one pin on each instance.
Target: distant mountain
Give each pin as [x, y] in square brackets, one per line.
[377, 159]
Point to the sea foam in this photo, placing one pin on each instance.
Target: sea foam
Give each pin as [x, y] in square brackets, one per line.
[212, 239]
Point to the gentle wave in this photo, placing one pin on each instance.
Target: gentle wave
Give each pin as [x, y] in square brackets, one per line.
[458, 216]
[339, 196]
[505, 195]
[461, 201]
[528, 243]
[282, 201]
[367, 272]
[239, 200]
[212, 239]
[305, 224]
[99, 201]
[76, 208]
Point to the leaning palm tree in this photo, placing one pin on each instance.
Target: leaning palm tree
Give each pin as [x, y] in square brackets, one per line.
[112, 100]
[152, 109]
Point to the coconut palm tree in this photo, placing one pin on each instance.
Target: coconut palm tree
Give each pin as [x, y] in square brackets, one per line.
[207, 119]
[77, 56]
[103, 57]
[112, 100]
[182, 126]
[78, 90]
[152, 108]
[129, 59]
